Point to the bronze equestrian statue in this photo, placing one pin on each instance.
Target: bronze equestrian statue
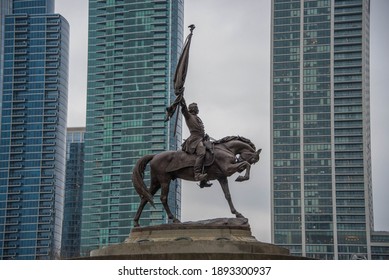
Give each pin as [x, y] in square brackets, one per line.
[231, 154]
[228, 155]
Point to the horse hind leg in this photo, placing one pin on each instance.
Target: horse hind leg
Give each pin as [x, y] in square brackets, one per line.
[142, 204]
[164, 199]
[153, 189]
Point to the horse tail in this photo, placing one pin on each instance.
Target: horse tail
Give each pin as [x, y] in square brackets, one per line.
[137, 178]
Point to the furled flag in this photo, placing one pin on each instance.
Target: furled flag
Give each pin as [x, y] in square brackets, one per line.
[180, 75]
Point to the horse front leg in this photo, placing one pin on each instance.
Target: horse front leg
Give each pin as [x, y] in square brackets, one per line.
[226, 190]
[246, 176]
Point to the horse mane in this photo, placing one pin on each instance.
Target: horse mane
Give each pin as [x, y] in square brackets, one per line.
[239, 138]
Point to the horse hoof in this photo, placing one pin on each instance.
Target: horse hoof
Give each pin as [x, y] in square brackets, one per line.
[238, 215]
[241, 179]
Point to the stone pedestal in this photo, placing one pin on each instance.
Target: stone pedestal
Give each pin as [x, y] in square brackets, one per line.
[216, 239]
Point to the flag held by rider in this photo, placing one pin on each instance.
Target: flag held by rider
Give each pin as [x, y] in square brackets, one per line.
[179, 77]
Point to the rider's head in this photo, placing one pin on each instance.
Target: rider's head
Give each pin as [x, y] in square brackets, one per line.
[192, 108]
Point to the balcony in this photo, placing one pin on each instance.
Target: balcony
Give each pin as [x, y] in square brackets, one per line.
[20, 73]
[20, 51]
[20, 59]
[51, 73]
[18, 100]
[18, 122]
[47, 150]
[46, 197]
[53, 22]
[52, 36]
[51, 106]
[52, 59]
[48, 158]
[45, 183]
[12, 223]
[50, 114]
[11, 246]
[52, 51]
[20, 44]
[17, 137]
[52, 29]
[43, 236]
[48, 143]
[14, 207]
[21, 30]
[19, 107]
[14, 198]
[53, 43]
[44, 228]
[16, 166]
[11, 238]
[52, 80]
[21, 37]
[51, 86]
[14, 185]
[17, 144]
[51, 121]
[18, 128]
[14, 177]
[46, 190]
[19, 88]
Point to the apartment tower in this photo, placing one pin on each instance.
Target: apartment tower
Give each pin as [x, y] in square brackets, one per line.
[74, 181]
[320, 122]
[33, 110]
[132, 54]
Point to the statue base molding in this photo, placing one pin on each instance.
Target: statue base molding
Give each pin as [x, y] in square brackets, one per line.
[217, 239]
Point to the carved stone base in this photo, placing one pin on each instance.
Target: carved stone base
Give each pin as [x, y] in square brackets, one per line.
[203, 240]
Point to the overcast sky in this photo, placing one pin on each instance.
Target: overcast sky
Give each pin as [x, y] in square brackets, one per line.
[229, 78]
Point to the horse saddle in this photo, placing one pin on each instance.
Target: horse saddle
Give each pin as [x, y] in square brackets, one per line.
[182, 159]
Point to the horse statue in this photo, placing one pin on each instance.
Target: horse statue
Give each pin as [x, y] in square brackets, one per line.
[229, 155]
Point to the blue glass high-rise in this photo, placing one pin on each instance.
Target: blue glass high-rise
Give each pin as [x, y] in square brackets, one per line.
[33, 128]
[71, 228]
[133, 51]
[321, 158]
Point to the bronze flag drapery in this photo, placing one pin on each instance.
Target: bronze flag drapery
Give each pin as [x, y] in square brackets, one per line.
[179, 76]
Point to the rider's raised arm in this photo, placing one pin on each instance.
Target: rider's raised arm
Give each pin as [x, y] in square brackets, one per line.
[184, 109]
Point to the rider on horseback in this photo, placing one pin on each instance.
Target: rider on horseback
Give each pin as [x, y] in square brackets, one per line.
[194, 144]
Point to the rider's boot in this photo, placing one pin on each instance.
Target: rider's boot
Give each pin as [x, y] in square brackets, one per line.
[198, 166]
[205, 184]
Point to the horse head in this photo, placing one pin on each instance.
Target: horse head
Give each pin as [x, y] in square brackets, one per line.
[251, 157]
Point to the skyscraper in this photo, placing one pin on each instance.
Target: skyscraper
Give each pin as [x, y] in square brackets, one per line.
[321, 166]
[71, 228]
[133, 50]
[33, 128]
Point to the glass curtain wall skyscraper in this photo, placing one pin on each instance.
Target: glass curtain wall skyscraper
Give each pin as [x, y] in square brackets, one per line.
[321, 166]
[33, 128]
[133, 51]
[71, 228]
